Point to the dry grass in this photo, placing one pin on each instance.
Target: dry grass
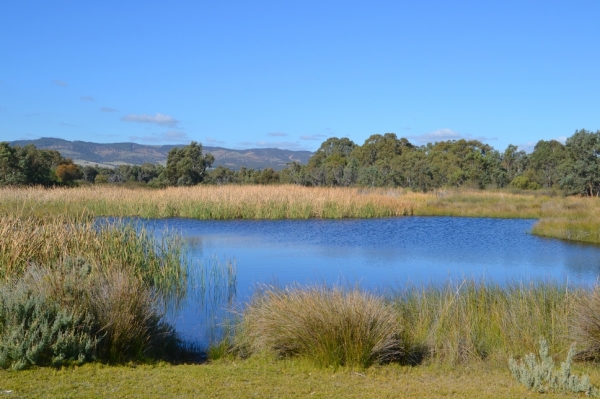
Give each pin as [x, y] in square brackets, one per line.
[207, 202]
[331, 326]
[573, 218]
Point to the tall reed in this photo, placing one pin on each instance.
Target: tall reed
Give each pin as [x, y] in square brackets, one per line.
[466, 321]
[579, 217]
[50, 240]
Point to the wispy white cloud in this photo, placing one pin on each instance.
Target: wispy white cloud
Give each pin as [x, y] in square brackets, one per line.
[277, 134]
[107, 109]
[159, 119]
[60, 83]
[172, 136]
[30, 115]
[212, 140]
[67, 124]
[314, 137]
[87, 98]
[527, 147]
[445, 135]
[561, 139]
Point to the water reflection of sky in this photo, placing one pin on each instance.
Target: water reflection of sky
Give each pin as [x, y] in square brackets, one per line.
[390, 252]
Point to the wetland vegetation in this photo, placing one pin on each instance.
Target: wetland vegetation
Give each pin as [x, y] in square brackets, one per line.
[76, 291]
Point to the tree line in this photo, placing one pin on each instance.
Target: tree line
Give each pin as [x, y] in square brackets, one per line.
[381, 161]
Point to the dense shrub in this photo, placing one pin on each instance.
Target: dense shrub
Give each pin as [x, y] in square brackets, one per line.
[73, 312]
[524, 183]
[37, 329]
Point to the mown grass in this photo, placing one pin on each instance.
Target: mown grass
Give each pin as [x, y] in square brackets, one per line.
[572, 218]
[268, 378]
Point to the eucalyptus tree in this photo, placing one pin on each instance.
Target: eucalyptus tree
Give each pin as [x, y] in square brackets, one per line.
[328, 166]
[581, 169]
[546, 159]
[29, 165]
[186, 166]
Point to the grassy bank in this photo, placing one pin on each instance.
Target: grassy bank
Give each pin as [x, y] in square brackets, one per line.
[561, 217]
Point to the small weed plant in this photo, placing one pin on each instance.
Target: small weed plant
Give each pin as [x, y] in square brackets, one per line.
[541, 375]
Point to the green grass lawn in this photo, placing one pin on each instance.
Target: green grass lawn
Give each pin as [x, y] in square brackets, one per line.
[263, 378]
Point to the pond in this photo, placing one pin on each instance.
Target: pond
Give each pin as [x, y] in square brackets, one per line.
[375, 253]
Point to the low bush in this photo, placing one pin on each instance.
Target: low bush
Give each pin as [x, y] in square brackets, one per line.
[73, 312]
[331, 326]
[37, 329]
[541, 376]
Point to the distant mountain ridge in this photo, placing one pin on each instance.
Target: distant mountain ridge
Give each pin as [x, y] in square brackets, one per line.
[112, 154]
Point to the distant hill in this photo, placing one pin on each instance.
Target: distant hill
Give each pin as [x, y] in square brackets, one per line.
[112, 154]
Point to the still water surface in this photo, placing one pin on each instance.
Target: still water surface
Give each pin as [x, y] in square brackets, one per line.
[377, 254]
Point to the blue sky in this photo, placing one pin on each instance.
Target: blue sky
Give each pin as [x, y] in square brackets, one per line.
[289, 74]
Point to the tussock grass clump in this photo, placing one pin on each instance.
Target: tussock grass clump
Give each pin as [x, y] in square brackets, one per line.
[330, 326]
[586, 324]
[471, 321]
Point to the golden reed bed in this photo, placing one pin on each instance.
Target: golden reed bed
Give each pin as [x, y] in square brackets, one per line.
[572, 218]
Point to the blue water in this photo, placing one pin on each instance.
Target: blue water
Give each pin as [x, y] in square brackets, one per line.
[378, 253]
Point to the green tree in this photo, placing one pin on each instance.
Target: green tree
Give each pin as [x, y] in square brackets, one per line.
[515, 162]
[378, 147]
[546, 159]
[581, 169]
[28, 165]
[186, 166]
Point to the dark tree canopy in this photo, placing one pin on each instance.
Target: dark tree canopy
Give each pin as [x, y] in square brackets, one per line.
[186, 166]
[581, 169]
[31, 166]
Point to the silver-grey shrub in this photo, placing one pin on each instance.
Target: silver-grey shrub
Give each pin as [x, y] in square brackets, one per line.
[541, 376]
[36, 330]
